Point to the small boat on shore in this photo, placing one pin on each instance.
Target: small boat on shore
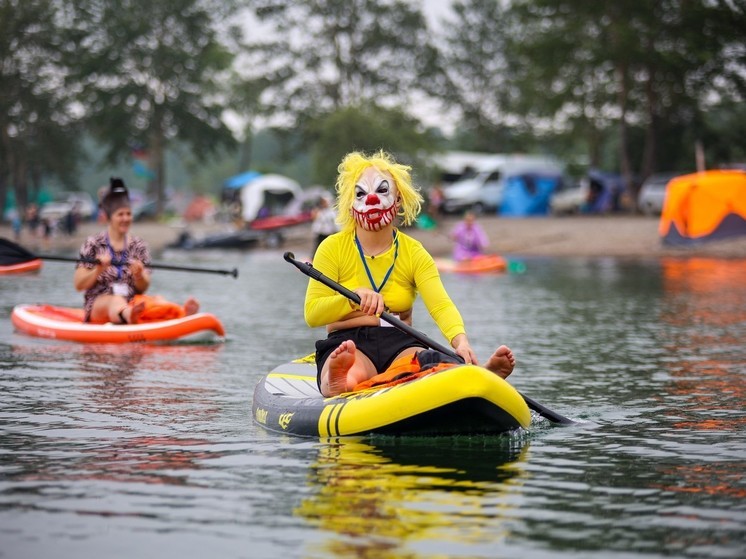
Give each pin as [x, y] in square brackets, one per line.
[461, 400]
[66, 323]
[28, 267]
[239, 239]
[487, 263]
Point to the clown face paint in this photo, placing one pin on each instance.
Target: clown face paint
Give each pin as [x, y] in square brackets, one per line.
[376, 200]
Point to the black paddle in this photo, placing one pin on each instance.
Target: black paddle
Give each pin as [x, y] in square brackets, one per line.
[312, 272]
[12, 253]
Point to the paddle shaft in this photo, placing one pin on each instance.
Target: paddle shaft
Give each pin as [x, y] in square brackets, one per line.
[312, 272]
[233, 272]
[16, 253]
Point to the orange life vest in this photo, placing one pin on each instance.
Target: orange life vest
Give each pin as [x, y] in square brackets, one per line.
[157, 308]
[403, 369]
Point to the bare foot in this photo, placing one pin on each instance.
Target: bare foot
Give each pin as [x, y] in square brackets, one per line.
[135, 312]
[340, 362]
[191, 306]
[501, 362]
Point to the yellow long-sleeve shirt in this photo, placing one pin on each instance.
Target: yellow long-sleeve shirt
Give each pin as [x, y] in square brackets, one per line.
[414, 271]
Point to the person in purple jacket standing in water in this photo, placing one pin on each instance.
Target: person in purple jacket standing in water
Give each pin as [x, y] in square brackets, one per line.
[469, 237]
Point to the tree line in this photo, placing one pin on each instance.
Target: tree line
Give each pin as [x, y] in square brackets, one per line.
[631, 86]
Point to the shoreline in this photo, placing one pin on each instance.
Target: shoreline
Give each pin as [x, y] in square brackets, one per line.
[565, 236]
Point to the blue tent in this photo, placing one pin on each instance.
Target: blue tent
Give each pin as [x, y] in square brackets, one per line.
[528, 194]
[605, 191]
[238, 181]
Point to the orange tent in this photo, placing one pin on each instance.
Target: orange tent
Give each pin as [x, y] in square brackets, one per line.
[705, 206]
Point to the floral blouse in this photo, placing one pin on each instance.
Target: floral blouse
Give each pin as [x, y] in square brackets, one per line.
[136, 250]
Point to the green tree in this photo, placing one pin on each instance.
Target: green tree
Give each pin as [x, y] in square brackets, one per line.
[608, 70]
[367, 129]
[38, 128]
[329, 54]
[471, 74]
[150, 72]
[247, 102]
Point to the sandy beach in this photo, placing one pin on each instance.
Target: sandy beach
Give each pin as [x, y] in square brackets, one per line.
[622, 236]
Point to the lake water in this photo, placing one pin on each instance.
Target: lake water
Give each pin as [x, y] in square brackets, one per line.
[139, 451]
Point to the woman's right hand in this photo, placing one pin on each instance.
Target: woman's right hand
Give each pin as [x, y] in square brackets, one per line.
[463, 348]
[371, 302]
[104, 260]
[85, 277]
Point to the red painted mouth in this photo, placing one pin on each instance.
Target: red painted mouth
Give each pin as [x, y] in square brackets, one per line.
[376, 218]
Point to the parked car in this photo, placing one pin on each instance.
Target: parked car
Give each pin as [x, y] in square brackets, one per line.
[481, 188]
[142, 210]
[598, 192]
[571, 200]
[653, 193]
[63, 202]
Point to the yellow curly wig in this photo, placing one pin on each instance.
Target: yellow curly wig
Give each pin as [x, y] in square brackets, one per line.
[350, 169]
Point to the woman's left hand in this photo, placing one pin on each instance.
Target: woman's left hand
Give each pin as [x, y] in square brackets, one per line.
[371, 302]
[137, 268]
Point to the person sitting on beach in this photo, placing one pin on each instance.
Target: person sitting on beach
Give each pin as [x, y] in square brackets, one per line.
[121, 270]
[386, 269]
[469, 238]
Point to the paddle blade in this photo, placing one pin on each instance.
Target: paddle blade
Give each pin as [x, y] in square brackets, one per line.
[546, 413]
[13, 253]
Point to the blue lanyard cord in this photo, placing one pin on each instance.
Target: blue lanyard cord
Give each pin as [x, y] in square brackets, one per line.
[377, 288]
[119, 264]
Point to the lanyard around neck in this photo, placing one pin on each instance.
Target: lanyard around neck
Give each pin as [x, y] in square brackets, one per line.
[119, 264]
[378, 288]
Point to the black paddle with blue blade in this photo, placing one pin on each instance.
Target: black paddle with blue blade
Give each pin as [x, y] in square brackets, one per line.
[12, 253]
[312, 272]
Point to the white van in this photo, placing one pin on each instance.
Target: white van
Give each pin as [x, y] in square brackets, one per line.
[481, 188]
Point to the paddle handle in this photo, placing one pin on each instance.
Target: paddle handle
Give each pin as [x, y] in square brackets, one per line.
[312, 272]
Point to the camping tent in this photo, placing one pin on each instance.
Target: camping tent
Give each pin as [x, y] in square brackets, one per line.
[704, 206]
[604, 192]
[267, 195]
[529, 194]
[239, 181]
[309, 200]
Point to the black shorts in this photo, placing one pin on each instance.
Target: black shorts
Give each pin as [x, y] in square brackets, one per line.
[380, 344]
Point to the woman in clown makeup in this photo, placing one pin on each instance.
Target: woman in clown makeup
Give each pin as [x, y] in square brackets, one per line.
[386, 268]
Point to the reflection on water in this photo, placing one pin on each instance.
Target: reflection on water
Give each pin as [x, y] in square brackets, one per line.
[150, 450]
[383, 494]
[183, 376]
[704, 308]
[112, 392]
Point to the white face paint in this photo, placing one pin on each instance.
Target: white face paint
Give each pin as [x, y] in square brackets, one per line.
[376, 198]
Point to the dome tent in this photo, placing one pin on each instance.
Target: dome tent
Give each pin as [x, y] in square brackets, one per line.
[529, 193]
[263, 195]
[705, 206]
